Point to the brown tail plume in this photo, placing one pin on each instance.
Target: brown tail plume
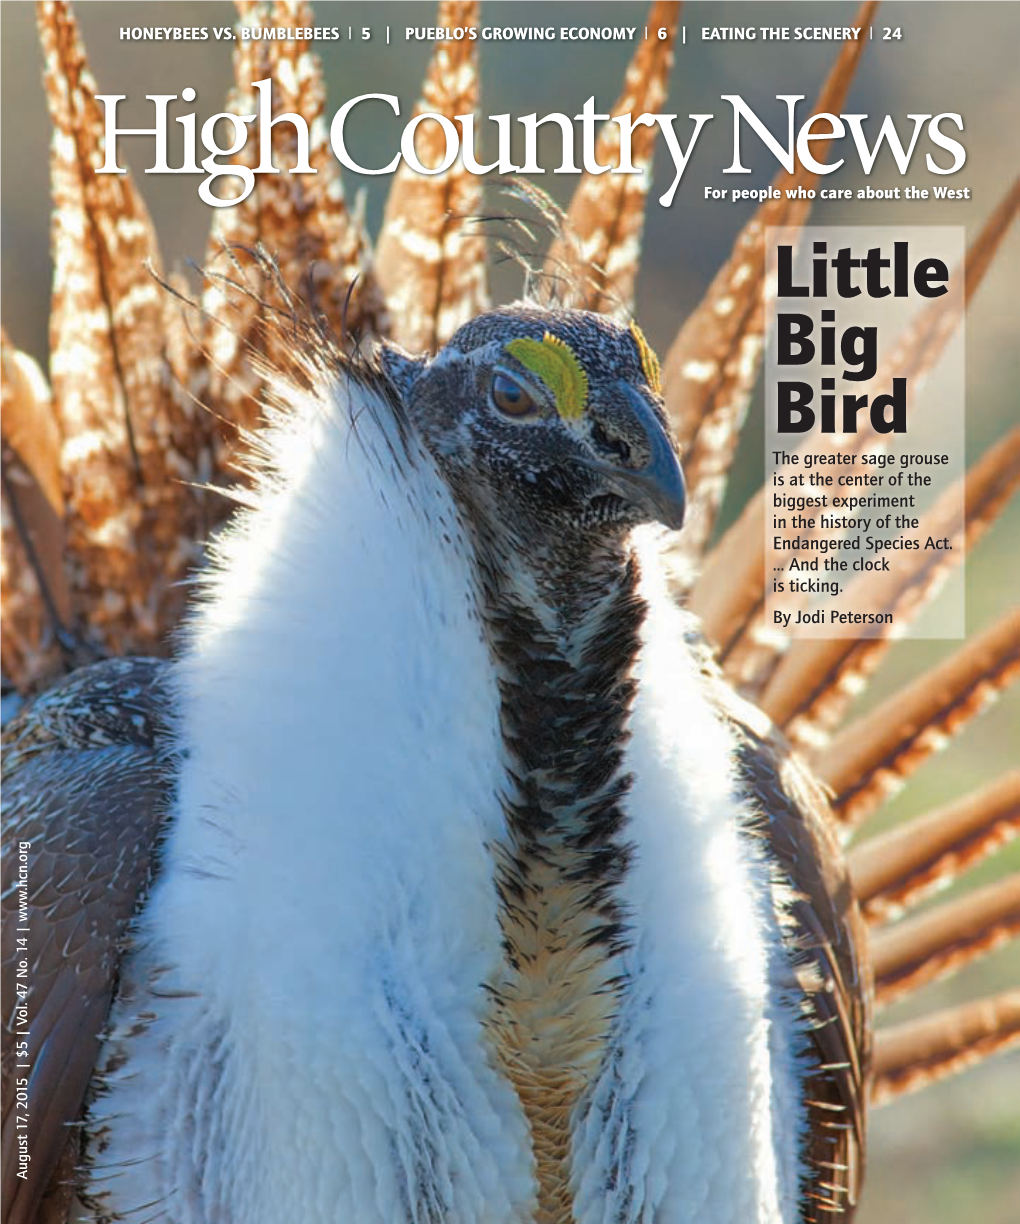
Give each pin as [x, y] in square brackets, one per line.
[126, 442]
[301, 219]
[36, 604]
[223, 373]
[710, 369]
[901, 867]
[871, 758]
[430, 261]
[915, 1054]
[918, 950]
[600, 249]
[322, 249]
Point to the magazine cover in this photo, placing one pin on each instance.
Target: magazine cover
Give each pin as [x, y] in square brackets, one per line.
[507, 537]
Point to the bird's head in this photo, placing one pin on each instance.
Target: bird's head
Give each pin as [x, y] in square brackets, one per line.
[548, 420]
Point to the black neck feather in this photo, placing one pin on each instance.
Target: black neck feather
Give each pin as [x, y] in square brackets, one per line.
[565, 692]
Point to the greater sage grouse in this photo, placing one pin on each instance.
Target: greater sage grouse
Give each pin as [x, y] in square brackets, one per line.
[447, 873]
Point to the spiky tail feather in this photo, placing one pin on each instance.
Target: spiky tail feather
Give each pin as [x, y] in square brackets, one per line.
[897, 869]
[711, 367]
[912, 1055]
[599, 249]
[871, 758]
[431, 259]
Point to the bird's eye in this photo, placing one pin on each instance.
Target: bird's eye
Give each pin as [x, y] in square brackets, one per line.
[510, 397]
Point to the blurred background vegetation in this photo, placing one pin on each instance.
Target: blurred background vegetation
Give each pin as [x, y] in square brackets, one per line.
[952, 1155]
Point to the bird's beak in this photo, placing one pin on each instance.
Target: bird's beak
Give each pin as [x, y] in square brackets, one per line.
[657, 488]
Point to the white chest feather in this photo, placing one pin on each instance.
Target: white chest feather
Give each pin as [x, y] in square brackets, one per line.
[681, 1125]
[302, 1032]
[326, 897]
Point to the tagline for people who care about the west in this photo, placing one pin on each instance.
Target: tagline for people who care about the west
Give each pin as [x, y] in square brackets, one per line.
[864, 438]
[758, 195]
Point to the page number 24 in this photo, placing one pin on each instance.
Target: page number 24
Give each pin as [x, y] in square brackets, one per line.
[888, 32]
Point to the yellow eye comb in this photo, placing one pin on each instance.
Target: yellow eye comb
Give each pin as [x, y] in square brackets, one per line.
[649, 361]
[556, 364]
